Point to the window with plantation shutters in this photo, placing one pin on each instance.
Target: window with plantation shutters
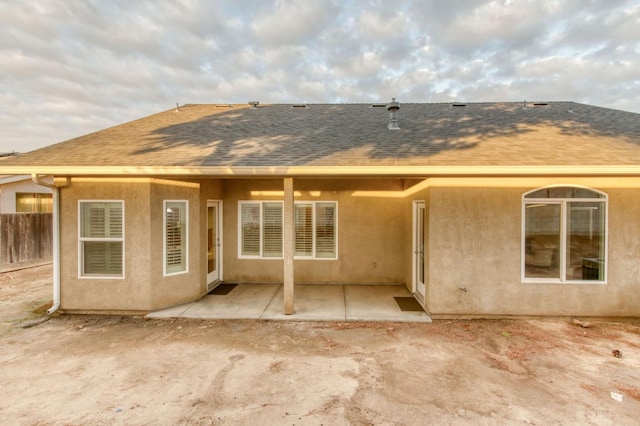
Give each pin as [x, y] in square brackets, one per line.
[325, 230]
[250, 229]
[304, 230]
[272, 229]
[261, 229]
[315, 233]
[175, 237]
[101, 232]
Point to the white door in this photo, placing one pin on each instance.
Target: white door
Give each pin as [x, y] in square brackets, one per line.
[214, 242]
[418, 251]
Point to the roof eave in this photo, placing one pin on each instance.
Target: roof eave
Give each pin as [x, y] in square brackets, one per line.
[327, 171]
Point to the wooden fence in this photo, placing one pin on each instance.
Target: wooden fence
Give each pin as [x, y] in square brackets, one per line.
[25, 237]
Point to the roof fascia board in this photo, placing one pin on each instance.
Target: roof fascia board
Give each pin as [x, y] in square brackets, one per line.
[328, 171]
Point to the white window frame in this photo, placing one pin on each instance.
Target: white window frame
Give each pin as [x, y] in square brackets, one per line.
[261, 225]
[261, 204]
[314, 229]
[81, 240]
[185, 237]
[563, 203]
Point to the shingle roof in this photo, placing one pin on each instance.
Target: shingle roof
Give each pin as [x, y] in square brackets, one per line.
[478, 134]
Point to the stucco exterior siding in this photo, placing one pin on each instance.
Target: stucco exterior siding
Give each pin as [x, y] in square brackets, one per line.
[473, 243]
[475, 253]
[370, 232]
[143, 286]
[182, 287]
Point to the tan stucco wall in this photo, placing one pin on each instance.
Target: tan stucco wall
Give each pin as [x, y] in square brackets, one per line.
[143, 286]
[370, 232]
[475, 252]
[473, 243]
[184, 287]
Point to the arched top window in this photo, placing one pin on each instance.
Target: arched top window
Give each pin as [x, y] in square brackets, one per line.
[564, 192]
[564, 235]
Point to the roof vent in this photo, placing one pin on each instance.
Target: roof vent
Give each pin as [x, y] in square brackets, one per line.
[254, 104]
[393, 108]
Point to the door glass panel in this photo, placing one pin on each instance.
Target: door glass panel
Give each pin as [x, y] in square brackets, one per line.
[421, 244]
[212, 239]
[542, 240]
[585, 241]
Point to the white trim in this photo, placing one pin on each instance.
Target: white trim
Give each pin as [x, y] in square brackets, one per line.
[564, 185]
[164, 238]
[220, 236]
[260, 203]
[81, 240]
[313, 225]
[414, 245]
[396, 171]
[261, 225]
[563, 203]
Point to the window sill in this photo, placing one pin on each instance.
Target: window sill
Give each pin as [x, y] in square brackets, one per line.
[171, 274]
[572, 282]
[101, 277]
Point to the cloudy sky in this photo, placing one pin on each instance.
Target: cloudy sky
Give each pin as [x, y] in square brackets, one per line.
[70, 67]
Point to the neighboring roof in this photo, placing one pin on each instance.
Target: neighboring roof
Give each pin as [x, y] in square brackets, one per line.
[5, 179]
[339, 138]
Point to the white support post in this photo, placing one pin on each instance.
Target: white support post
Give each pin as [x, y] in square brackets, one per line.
[288, 245]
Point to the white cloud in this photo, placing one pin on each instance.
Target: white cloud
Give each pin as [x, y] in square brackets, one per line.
[70, 67]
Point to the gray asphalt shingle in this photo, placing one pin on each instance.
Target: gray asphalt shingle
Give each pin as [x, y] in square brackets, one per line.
[489, 134]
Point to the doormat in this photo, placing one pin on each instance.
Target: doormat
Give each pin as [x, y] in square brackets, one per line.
[408, 304]
[222, 289]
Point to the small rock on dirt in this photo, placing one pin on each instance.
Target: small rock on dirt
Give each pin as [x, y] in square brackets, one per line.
[583, 324]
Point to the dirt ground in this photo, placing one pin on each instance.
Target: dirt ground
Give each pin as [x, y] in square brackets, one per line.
[97, 370]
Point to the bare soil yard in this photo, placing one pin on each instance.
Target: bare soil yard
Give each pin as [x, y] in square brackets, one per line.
[128, 370]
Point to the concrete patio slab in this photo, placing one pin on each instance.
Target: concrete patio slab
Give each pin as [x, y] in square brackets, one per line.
[311, 303]
[246, 301]
[173, 312]
[377, 303]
